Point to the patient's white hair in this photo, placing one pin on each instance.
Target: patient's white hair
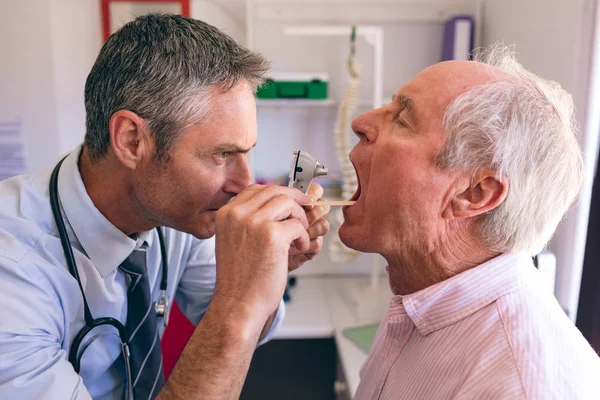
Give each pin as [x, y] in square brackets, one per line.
[523, 128]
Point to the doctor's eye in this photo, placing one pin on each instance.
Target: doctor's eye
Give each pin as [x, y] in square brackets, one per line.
[223, 154]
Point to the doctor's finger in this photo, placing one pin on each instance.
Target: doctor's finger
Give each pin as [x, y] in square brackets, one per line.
[270, 191]
[259, 198]
[319, 228]
[246, 194]
[233, 206]
[251, 199]
[314, 248]
[316, 213]
[279, 208]
[290, 230]
[315, 191]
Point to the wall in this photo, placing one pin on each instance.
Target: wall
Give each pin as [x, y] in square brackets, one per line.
[412, 40]
[76, 41]
[554, 40]
[407, 48]
[27, 87]
[48, 48]
[226, 15]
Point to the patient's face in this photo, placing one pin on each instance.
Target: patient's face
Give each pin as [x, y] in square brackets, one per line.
[402, 193]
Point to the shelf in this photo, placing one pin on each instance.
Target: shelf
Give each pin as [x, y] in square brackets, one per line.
[373, 11]
[302, 103]
[291, 103]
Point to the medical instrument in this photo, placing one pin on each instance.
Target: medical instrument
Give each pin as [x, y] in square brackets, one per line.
[303, 170]
[161, 307]
[331, 203]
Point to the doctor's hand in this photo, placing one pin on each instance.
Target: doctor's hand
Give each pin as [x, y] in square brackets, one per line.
[318, 227]
[254, 232]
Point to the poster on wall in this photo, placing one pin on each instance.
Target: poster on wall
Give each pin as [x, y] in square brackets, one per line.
[116, 13]
[12, 149]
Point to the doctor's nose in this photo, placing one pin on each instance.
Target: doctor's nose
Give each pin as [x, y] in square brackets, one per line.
[240, 178]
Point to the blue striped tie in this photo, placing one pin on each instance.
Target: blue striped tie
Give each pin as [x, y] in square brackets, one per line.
[144, 344]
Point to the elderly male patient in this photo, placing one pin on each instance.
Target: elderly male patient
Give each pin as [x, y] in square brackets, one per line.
[462, 179]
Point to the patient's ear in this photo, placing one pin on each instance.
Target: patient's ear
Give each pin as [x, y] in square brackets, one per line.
[485, 192]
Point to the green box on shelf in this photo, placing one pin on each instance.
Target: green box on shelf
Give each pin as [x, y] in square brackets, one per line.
[294, 86]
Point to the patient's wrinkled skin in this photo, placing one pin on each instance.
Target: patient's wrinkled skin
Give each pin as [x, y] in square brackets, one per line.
[420, 218]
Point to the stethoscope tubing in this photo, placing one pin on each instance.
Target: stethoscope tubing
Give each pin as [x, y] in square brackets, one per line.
[90, 322]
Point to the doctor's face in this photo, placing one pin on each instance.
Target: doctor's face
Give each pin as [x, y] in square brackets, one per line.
[207, 166]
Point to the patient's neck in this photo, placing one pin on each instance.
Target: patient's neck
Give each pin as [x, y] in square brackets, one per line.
[417, 269]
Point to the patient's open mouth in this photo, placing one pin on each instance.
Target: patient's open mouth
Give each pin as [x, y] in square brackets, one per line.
[356, 194]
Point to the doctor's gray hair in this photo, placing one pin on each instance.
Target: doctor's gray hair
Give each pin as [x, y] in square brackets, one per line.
[163, 68]
[523, 128]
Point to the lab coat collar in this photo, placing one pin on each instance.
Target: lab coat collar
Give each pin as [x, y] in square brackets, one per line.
[454, 299]
[105, 245]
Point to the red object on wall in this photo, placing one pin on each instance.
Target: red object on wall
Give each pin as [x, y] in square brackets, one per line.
[176, 336]
[105, 9]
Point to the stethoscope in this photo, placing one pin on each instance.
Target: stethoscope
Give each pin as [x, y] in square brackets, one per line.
[161, 307]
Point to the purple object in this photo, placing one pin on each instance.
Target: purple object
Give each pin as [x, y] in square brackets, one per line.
[458, 38]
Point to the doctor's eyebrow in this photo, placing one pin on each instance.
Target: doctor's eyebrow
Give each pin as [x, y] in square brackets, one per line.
[232, 148]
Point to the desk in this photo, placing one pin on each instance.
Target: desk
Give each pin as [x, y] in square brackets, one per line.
[316, 310]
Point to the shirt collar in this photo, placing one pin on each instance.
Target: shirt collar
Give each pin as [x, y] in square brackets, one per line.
[105, 245]
[458, 297]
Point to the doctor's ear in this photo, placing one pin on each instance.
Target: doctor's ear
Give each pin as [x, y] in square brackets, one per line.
[485, 192]
[129, 138]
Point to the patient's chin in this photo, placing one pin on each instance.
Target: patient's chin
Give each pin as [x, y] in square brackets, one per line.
[352, 238]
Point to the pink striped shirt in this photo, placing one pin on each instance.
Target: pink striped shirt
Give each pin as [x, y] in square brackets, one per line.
[492, 332]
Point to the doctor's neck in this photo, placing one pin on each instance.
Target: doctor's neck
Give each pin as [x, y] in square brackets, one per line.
[107, 183]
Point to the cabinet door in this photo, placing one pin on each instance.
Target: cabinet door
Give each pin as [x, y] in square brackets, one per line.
[292, 369]
[340, 387]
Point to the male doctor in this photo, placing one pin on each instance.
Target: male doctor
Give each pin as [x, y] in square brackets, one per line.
[170, 121]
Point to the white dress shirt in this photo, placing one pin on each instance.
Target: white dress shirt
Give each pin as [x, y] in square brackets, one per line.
[41, 306]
